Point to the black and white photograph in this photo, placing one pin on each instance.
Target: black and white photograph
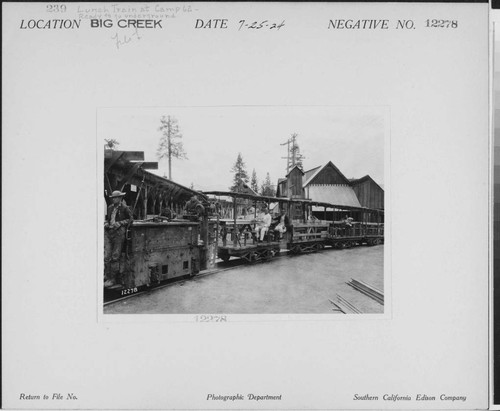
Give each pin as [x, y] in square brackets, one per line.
[244, 210]
[247, 206]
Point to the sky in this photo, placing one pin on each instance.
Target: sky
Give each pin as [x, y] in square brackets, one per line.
[351, 137]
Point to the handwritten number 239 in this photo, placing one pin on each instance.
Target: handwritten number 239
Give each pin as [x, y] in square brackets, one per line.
[56, 8]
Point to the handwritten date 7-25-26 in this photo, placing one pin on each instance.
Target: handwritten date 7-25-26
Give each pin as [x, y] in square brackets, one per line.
[264, 24]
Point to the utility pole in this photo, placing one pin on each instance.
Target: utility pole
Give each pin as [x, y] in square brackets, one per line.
[293, 155]
[287, 143]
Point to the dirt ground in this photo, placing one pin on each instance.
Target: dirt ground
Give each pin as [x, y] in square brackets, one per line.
[292, 284]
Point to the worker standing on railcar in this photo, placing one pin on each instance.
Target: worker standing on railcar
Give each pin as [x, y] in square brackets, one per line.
[347, 225]
[119, 217]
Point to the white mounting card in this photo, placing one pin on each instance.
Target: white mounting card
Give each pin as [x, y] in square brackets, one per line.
[75, 74]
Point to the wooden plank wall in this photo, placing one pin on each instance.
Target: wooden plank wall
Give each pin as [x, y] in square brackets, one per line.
[369, 194]
[295, 182]
[329, 176]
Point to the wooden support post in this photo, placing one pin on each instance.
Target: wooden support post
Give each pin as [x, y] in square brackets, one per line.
[109, 187]
[234, 220]
[145, 202]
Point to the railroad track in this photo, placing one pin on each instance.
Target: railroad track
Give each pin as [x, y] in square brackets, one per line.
[233, 265]
[224, 266]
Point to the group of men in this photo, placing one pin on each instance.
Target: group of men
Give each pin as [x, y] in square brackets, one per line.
[265, 221]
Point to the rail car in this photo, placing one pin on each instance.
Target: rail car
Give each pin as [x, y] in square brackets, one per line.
[158, 248]
[305, 231]
[158, 251]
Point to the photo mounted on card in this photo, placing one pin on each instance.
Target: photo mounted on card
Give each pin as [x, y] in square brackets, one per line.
[286, 219]
[265, 205]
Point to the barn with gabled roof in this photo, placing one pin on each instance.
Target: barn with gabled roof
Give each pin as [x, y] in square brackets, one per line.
[327, 184]
[369, 193]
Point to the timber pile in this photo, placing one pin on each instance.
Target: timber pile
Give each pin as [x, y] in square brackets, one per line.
[368, 290]
[345, 306]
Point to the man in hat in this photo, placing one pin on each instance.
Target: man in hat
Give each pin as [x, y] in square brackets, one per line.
[115, 227]
[194, 205]
[282, 222]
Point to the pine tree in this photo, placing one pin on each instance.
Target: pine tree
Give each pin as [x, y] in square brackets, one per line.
[254, 184]
[240, 175]
[111, 143]
[170, 146]
[267, 188]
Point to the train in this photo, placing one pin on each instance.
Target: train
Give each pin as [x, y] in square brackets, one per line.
[222, 226]
[304, 233]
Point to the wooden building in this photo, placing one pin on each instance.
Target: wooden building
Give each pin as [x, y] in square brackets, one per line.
[291, 185]
[369, 193]
[327, 184]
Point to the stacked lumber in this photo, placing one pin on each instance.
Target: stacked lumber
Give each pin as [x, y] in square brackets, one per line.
[345, 306]
[368, 290]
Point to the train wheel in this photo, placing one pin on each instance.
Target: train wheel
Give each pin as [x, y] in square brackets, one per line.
[225, 257]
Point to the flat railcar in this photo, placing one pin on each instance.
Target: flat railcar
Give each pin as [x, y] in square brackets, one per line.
[305, 232]
[242, 242]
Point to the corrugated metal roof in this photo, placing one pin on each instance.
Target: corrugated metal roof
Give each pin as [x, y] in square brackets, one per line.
[315, 172]
[333, 194]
